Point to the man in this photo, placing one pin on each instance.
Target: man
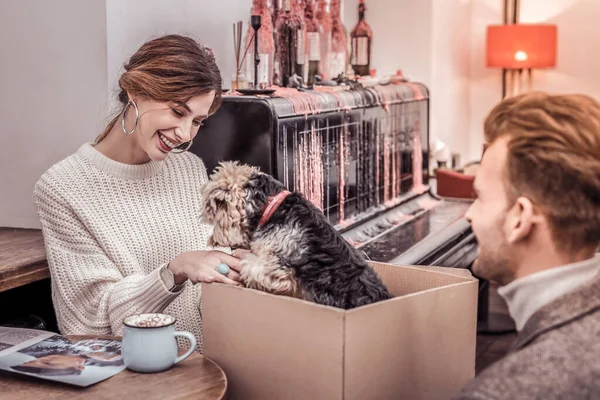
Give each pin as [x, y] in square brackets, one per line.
[537, 220]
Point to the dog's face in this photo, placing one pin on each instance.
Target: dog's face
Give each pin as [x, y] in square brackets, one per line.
[233, 202]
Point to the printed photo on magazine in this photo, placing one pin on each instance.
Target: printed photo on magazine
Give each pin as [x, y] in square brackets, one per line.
[50, 356]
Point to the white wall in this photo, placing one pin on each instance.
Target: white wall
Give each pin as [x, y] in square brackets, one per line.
[60, 65]
[442, 44]
[130, 23]
[578, 61]
[60, 62]
[451, 73]
[402, 35]
[410, 35]
[486, 84]
[429, 40]
[53, 92]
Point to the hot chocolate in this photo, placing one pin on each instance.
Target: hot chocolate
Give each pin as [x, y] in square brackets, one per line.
[149, 320]
[149, 342]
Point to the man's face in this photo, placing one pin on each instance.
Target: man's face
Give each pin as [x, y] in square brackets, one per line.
[487, 215]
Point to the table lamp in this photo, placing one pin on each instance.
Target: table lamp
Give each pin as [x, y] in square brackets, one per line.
[518, 47]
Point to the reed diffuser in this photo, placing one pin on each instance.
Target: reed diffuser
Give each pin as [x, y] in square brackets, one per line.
[238, 81]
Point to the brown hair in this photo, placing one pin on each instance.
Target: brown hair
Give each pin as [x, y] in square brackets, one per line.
[554, 160]
[170, 68]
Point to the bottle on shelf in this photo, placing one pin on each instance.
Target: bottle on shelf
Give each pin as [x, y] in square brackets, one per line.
[300, 67]
[324, 20]
[339, 42]
[313, 42]
[274, 11]
[361, 40]
[289, 42]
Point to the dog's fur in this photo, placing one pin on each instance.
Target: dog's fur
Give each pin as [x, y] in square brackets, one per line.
[296, 252]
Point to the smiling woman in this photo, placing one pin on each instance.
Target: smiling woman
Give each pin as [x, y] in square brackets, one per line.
[169, 87]
[121, 217]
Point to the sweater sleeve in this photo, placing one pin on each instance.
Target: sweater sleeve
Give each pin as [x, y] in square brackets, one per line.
[90, 294]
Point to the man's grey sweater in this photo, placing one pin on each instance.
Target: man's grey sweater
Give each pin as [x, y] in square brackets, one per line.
[555, 356]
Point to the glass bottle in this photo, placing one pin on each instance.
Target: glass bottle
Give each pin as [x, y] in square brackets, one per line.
[339, 42]
[266, 46]
[324, 20]
[300, 67]
[313, 42]
[361, 38]
[274, 11]
[289, 42]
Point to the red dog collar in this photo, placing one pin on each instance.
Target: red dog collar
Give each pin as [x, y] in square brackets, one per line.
[272, 205]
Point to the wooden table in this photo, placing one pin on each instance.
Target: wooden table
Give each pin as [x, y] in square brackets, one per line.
[22, 257]
[197, 377]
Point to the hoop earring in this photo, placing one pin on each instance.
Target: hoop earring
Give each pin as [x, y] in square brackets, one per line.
[177, 150]
[137, 117]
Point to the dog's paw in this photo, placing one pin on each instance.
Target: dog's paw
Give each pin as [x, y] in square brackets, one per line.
[267, 276]
[252, 267]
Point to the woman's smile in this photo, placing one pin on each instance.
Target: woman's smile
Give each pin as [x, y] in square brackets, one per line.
[165, 144]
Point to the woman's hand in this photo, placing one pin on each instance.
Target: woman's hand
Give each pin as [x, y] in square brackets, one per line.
[201, 266]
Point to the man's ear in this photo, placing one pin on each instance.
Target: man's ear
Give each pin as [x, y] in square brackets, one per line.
[521, 219]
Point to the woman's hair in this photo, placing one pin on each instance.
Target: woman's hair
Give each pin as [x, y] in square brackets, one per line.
[170, 68]
[554, 160]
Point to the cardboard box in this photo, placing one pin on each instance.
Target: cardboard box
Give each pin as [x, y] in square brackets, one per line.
[418, 345]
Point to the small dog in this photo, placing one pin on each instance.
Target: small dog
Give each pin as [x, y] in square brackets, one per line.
[294, 249]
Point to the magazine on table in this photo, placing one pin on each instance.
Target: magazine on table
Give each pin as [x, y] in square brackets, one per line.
[50, 356]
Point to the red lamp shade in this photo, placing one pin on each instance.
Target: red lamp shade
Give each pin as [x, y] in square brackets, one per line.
[521, 46]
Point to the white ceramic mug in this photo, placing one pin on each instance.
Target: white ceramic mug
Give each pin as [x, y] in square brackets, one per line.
[149, 343]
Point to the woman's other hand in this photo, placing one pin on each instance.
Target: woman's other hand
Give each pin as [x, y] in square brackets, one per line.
[201, 266]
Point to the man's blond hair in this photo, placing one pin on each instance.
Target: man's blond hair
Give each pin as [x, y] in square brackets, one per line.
[554, 160]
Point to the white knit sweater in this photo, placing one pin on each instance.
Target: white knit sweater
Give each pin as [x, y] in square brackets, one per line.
[108, 229]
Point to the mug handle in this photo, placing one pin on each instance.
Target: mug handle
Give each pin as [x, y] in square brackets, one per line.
[192, 340]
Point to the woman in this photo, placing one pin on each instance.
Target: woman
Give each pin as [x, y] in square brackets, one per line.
[121, 217]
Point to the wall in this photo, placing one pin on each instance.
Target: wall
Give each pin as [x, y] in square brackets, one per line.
[451, 74]
[429, 40]
[132, 22]
[60, 64]
[577, 62]
[53, 92]
[438, 42]
[61, 60]
[402, 35]
[410, 35]
[442, 44]
[486, 84]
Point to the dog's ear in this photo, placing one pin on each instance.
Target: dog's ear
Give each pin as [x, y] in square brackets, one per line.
[265, 185]
[224, 208]
[259, 188]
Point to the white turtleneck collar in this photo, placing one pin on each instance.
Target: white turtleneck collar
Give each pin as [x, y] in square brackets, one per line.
[527, 295]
